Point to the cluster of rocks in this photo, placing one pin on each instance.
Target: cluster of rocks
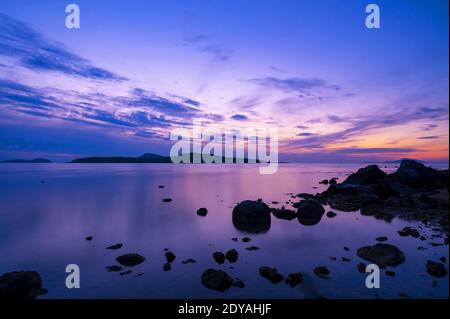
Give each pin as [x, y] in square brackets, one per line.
[21, 285]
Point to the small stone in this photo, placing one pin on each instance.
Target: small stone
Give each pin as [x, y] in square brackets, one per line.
[361, 267]
[167, 200]
[252, 248]
[234, 239]
[238, 283]
[219, 257]
[160, 186]
[170, 256]
[189, 261]
[333, 258]
[271, 274]
[436, 269]
[246, 239]
[130, 260]
[126, 272]
[345, 259]
[232, 255]
[294, 279]
[322, 272]
[89, 238]
[331, 214]
[114, 268]
[216, 279]
[346, 248]
[390, 273]
[381, 239]
[202, 211]
[114, 247]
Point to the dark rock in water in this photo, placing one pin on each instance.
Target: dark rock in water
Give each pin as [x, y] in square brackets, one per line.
[114, 268]
[160, 186]
[271, 274]
[114, 247]
[167, 266]
[216, 279]
[310, 212]
[252, 248]
[202, 211]
[130, 260]
[284, 214]
[381, 239]
[305, 195]
[189, 261]
[333, 258]
[436, 269]
[246, 239]
[331, 214]
[167, 200]
[382, 254]
[332, 182]
[219, 257]
[367, 175]
[275, 202]
[443, 259]
[139, 274]
[127, 272]
[170, 256]
[416, 174]
[21, 285]
[238, 283]
[322, 272]
[324, 182]
[346, 259]
[361, 267]
[346, 248]
[89, 238]
[232, 255]
[408, 231]
[234, 239]
[251, 216]
[342, 189]
[390, 273]
[294, 279]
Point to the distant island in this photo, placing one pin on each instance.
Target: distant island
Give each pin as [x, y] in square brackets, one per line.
[145, 158]
[36, 160]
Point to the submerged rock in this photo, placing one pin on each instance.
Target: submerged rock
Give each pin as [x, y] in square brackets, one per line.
[114, 268]
[167, 200]
[382, 254]
[167, 266]
[189, 261]
[251, 216]
[130, 260]
[271, 274]
[310, 212]
[381, 239]
[331, 214]
[115, 247]
[216, 279]
[170, 256]
[322, 272]
[89, 238]
[21, 285]
[202, 211]
[252, 248]
[246, 239]
[294, 279]
[361, 267]
[219, 257]
[238, 283]
[284, 213]
[232, 255]
[409, 231]
[436, 269]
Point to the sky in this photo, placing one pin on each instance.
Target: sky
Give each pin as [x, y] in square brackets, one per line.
[135, 70]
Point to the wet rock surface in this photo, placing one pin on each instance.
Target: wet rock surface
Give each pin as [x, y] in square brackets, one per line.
[322, 272]
[382, 254]
[130, 260]
[271, 274]
[232, 255]
[219, 257]
[436, 269]
[251, 216]
[202, 211]
[294, 279]
[310, 212]
[23, 285]
[216, 279]
[115, 246]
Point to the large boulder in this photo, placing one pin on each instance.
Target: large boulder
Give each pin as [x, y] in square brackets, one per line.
[342, 189]
[416, 174]
[216, 279]
[310, 212]
[436, 269]
[382, 254]
[21, 285]
[368, 175]
[252, 216]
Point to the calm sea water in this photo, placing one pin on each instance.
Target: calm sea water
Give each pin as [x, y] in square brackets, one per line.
[47, 210]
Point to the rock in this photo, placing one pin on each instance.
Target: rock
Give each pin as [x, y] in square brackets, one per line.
[251, 216]
[238, 283]
[361, 267]
[160, 186]
[443, 259]
[189, 261]
[390, 273]
[416, 174]
[310, 212]
[331, 214]
[382, 254]
[167, 200]
[408, 231]
[126, 272]
[21, 285]
[114, 268]
[322, 272]
[342, 189]
[234, 239]
[202, 211]
[219, 257]
[89, 238]
[275, 202]
[271, 274]
[232, 255]
[381, 239]
[170, 256]
[252, 248]
[332, 182]
[284, 214]
[115, 247]
[436, 269]
[305, 195]
[324, 182]
[333, 258]
[294, 279]
[346, 248]
[216, 279]
[368, 175]
[346, 259]
[167, 266]
[246, 239]
[130, 260]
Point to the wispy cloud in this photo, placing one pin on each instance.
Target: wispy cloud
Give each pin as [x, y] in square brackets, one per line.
[239, 117]
[206, 44]
[35, 52]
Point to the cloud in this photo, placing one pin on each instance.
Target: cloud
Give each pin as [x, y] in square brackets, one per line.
[239, 117]
[33, 51]
[306, 134]
[431, 137]
[302, 127]
[205, 44]
[302, 86]
[374, 150]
